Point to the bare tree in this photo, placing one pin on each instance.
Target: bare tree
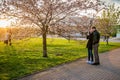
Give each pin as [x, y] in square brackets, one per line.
[82, 24]
[45, 13]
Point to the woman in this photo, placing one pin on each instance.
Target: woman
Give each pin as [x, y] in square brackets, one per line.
[7, 40]
[89, 46]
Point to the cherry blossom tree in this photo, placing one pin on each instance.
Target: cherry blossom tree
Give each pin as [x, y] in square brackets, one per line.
[45, 13]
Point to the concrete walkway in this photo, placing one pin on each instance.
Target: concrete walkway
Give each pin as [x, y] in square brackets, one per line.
[79, 70]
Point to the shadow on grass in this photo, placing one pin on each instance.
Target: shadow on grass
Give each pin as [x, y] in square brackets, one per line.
[10, 64]
[43, 61]
[32, 66]
[51, 45]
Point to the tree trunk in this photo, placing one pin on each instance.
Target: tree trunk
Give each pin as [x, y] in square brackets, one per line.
[69, 37]
[44, 45]
[107, 40]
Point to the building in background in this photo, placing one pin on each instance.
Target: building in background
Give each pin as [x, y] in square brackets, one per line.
[118, 32]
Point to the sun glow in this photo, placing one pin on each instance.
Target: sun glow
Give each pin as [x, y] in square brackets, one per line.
[4, 23]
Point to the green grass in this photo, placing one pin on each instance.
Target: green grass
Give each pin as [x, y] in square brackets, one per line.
[25, 56]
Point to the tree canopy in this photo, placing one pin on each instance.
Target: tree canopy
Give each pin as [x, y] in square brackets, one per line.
[46, 13]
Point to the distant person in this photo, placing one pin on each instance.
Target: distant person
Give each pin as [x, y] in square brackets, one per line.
[96, 39]
[89, 47]
[7, 40]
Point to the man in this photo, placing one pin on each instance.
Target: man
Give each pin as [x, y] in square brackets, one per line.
[96, 39]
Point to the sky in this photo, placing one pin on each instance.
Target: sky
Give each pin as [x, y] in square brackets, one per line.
[117, 2]
[5, 23]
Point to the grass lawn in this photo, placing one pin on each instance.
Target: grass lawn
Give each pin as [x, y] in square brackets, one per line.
[25, 56]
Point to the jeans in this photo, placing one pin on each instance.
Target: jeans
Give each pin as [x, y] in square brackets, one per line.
[95, 47]
[90, 55]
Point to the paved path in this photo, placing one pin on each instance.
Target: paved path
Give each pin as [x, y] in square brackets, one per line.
[114, 40]
[79, 70]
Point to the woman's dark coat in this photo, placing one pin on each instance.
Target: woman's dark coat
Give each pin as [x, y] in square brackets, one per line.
[90, 41]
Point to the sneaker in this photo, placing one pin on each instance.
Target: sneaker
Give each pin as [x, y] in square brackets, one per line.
[96, 64]
[91, 62]
[88, 62]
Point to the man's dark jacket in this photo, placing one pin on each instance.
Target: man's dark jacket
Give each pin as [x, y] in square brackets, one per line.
[96, 37]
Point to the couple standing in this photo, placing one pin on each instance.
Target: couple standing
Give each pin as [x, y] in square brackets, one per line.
[93, 44]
